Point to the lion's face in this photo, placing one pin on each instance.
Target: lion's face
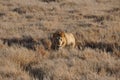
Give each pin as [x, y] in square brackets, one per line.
[59, 39]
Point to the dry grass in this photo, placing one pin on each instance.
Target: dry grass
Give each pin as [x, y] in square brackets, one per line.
[25, 45]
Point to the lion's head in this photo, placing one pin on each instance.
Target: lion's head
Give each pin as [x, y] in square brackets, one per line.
[59, 39]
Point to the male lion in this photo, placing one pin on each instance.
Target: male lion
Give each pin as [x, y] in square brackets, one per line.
[61, 39]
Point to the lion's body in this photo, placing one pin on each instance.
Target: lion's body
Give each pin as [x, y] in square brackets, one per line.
[70, 39]
[62, 39]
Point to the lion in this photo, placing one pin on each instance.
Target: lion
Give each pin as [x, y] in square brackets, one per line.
[61, 39]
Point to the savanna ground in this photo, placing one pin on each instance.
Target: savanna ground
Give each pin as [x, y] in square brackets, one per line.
[26, 27]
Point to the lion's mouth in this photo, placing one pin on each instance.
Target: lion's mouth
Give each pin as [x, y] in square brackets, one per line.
[58, 46]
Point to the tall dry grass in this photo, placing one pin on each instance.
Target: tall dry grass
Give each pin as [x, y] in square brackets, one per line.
[25, 45]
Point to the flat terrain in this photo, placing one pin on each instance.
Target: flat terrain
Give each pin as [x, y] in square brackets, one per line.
[25, 46]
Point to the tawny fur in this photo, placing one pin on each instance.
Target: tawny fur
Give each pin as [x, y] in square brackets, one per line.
[62, 39]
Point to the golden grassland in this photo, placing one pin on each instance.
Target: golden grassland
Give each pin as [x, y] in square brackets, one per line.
[25, 46]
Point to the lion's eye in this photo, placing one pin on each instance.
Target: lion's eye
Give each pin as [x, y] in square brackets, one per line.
[57, 38]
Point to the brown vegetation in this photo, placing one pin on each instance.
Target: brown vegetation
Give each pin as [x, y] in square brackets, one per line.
[25, 45]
